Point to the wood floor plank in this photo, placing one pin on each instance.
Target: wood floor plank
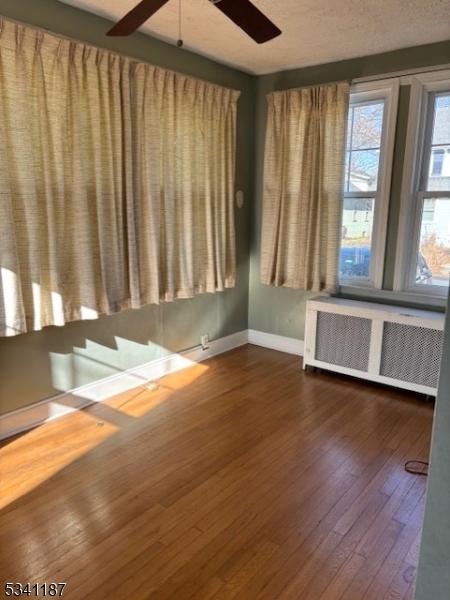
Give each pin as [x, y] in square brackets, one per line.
[398, 554]
[242, 477]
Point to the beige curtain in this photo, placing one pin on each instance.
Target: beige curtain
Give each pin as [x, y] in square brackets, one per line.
[184, 151]
[114, 193]
[63, 109]
[303, 185]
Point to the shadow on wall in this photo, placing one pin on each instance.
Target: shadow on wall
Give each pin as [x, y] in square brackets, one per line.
[79, 367]
[42, 364]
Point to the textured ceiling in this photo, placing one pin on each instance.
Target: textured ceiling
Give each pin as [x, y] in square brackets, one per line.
[314, 31]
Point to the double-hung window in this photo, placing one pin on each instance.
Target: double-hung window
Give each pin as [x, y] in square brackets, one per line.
[369, 150]
[423, 251]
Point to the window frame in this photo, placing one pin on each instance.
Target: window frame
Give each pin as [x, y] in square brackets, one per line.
[360, 93]
[415, 170]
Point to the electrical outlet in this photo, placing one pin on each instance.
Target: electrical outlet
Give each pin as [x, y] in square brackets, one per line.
[204, 341]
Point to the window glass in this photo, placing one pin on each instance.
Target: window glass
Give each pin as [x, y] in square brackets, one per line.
[356, 238]
[364, 129]
[437, 162]
[433, 260]
[362, 174]
[438, 177]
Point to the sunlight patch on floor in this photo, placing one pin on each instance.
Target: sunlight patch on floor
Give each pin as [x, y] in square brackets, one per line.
[39, 454]
[36, 456]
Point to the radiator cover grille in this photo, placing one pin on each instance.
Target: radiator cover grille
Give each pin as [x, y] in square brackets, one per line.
[420, 362]
[343, 340]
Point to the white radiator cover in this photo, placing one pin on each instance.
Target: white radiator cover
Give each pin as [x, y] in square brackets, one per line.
[388, 344]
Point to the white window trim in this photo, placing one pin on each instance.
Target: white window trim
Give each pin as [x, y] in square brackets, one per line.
[407, 298]
[411, 196]
[387, 90]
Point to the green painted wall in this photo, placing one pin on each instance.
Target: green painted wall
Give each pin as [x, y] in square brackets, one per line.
[282, 310]
[433, 577]
[38, 365]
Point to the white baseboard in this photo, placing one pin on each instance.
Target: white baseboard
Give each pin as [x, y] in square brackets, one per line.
[276, 342]
[102, 389]
[68, 402]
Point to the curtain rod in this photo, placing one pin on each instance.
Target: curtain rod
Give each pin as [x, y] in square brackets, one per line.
[310, 85]
[114, 52]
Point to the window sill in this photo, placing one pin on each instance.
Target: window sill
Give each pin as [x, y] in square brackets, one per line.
[410, 299]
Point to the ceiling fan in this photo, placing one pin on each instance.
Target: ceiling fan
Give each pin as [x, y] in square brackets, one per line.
[242, 12]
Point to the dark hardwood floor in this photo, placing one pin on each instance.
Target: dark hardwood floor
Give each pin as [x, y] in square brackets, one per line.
[241, 477]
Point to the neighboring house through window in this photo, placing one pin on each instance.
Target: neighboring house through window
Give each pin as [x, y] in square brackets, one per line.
[437, 162]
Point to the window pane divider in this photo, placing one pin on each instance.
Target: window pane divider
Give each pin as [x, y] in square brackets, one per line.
[437, 194]
[368, 149]
[371, 194]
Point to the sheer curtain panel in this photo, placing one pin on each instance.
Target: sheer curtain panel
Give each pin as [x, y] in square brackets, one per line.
[184, 153]
[303, 186]
[63, 114]
[117, 182]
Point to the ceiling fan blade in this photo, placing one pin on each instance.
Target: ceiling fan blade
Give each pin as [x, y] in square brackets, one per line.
[249, 18]
[137, 15]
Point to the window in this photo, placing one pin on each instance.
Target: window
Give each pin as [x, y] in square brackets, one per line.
[369, 148]
[424, 240]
